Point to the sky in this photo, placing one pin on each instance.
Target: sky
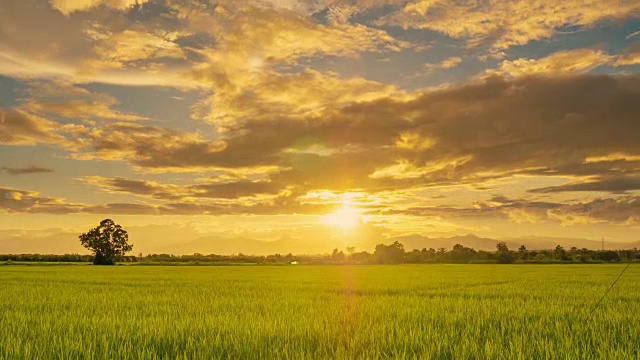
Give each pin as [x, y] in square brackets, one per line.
[320, 120]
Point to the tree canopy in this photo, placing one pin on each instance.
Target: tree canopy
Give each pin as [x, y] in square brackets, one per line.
[108, 241]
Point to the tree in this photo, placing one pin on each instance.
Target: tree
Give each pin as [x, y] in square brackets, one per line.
[460, 253]
[504, 256]
[108, 242]
[560, 254]
[388, 254]
[523, 253]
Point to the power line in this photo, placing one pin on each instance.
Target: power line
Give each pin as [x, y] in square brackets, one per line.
[607, 292]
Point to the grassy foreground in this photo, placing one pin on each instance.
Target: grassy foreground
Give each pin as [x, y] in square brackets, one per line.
[318, 312]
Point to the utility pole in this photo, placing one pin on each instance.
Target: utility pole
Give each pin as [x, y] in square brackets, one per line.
[603, 243]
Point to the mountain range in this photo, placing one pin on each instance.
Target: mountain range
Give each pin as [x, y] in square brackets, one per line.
[58, 241]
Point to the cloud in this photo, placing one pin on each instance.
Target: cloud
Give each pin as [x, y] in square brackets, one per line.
[158, 148]
[132, 47]
[630, 55]
[618, 211]
[341, 14]
[504, 24]
[67, 7]
[73, 102]
[612, 158]
[578, 126]
[160, 43]
[14, 200]
[561, 62]
[471, 133]
[270, 95]
[24, 201]
[21, 128]
[26, 170]
[603, 184]
[265, 72]
[448, 63]
[530, 125]
[498, 207]
[211, 190]
[623, 210]
[281, 35]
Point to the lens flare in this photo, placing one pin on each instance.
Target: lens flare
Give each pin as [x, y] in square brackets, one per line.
[346, 218]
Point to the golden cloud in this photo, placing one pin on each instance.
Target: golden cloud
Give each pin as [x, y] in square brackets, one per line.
[620, 211]
[269, 95]
[561, 62]
[97, 46]
[127, 47]
[629, 56]
[73, 102]
[212, 190]
[21, 128]
[469, 133]
[247, 69]
[448, 63]
[612, 157]
[67, 7]
[611, 184]
[175, 44]
[507, 23]
[23, 201]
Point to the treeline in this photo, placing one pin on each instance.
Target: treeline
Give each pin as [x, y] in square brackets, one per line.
[395, 253]
[56, 258]
[222, 259]
[383, 254]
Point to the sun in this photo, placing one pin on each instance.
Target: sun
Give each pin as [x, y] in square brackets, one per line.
[256, 63]
[346, 218]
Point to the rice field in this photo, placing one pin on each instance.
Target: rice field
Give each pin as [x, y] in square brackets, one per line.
[318, 312]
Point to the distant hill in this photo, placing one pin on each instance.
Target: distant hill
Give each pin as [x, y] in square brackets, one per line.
[183, 241]
[225, 245]
[537, 243]
[416, 241]
[52, 241]
[532, 243]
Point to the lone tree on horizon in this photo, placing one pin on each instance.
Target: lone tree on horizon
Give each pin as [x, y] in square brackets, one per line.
[108, 242]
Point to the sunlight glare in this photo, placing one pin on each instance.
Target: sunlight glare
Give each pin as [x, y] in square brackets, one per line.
[346, 218]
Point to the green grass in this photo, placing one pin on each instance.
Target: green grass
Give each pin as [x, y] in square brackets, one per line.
[318, 312]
